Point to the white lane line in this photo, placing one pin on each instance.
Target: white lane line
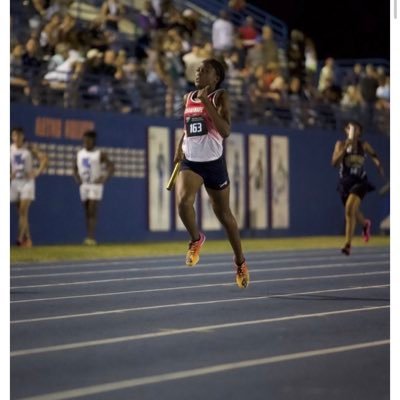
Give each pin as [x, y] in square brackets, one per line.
[171, 267]
[213, 369]
[196, 275]
[198, 329]
[156, 260]
[173, 288]
[175, 305]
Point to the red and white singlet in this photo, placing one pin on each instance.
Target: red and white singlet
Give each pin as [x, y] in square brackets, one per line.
[202, 142]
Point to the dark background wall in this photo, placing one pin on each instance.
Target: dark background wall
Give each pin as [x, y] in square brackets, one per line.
[57, 215]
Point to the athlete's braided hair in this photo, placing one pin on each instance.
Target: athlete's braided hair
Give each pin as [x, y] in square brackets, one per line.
[218, 68]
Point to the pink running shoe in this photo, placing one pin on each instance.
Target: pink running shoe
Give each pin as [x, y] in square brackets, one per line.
[193, 254]
[366, 232]
[242, 275]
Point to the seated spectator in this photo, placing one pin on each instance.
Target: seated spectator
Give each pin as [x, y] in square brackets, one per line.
[223, 33]
[332, 93]
[327, 75]
[63, 73]
[111, 12]
[295, 90]
[248, 33]
[276, 85]
[31, 60]
[352, 97]
[61, 54]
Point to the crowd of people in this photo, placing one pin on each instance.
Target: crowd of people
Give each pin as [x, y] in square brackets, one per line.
[57, 58]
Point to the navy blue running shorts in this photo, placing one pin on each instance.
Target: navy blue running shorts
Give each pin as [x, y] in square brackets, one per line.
[354, 185]
[214, 173]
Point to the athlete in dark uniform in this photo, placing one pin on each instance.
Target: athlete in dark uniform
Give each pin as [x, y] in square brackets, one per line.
[200, 152]
[349, 155]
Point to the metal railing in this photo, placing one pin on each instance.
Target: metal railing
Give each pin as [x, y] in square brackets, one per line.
[209, 11]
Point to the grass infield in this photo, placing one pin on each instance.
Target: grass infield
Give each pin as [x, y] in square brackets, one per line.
[111, 251]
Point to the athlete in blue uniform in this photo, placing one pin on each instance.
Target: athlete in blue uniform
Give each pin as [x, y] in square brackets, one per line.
[349, 155]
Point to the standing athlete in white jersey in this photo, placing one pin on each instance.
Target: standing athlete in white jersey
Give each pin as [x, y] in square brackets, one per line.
[23, 174]
[200, 151]
[88, 174]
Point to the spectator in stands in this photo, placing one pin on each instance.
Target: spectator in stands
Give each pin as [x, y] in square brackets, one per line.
[383, 94]
[332, 93]
[223, 33]
[50, 35]
[354, 76]
[207, 50]
[111, 13]
[94, 37]
[23, 174]
[351, 98]
[41, 6]
[67, 29]
[147, 18]
[248, 33]
[232, 61]
[311, 60]
[57, 84]
[295, 90]
[296, 98]
[31, 60]
[63, 73]
[89, 176]
[269, 46]
[237, 5]
[60, 55]
[368, 86]
[296, 55]
[190, 22]
[17, 79]
[276, 85]
[327, 75]
[255, 55]
[192, 61]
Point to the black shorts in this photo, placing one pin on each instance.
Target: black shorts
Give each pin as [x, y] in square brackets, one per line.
[214, 173]
[354, 185]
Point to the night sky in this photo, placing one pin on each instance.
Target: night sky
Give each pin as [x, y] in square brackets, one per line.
[342, 29]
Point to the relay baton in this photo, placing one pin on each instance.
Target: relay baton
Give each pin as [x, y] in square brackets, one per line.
[172, 179]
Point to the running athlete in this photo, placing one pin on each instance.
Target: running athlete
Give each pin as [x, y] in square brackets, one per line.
[88, 174]
[23, 174]
[349, 155]
[207, 123]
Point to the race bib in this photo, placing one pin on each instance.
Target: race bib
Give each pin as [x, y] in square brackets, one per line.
[196, 126]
